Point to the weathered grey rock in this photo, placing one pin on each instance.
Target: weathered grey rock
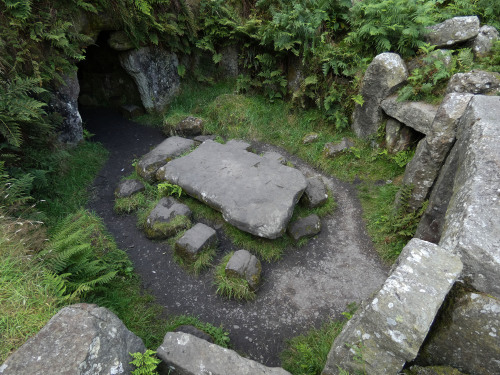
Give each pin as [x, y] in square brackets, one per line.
[432, 370]
[195, 240]
[245, 266]
[398, 136]
[472, 226]
[192, 330]
[202, 138]
[126, 188]
[468, 338]
[386, 73]
[474, 82]
[316, 193]
[238, 144]
[275, 157]
[333, 149]
[423, 169]
[483, 42]
[229, 61]
[80, 339]
[416, 115]
[390, 329]
[131, 110]
[310, 138]
[452, 31]
[305, 227]
[64, 101]
[253, 194]
[184, 354]
[167, 218]
[155, 72]
[119, 41]
[170, 148]
[190, 126]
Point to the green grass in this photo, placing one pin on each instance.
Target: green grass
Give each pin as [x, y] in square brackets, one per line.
[218, 334]
[127, 205]
[231, 287]
[203, 259]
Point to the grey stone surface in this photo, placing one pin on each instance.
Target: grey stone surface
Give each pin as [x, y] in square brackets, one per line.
[229, 61]
[423, 169]
[316, 193]
[483, 42]
[398, 136]
[155, 72]
[469, 337]
[253, 194]
[385, 74]
[190, 126]
[163, 222]
[305, 227]
[131, 110]
[195, 240]
[275, 157]
[310, 138]
[64, 101]
[295, 74]
[245, 266]
[184, 354]
[416, 115]
[119, 41]
[472, 226]
[389, 330]
[170, 148]
[80, 339]
[333, 149]
[126, 188]
[452, 31]
[203, 138]
[474, 82]
[433, 370]
[192, 330]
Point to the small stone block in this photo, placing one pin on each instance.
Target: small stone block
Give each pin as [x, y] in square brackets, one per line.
[245, 266]
[315, 194]
[190, 126]
[126, 188]
[305, 227]
[165, 219]
[334, 149]
[195, 240]
[310, 138]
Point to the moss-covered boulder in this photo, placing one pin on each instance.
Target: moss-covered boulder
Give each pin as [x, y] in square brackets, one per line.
[167, 218]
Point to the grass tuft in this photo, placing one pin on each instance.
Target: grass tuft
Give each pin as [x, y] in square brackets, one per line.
[127, 205]
[231, 287]
[218, 334]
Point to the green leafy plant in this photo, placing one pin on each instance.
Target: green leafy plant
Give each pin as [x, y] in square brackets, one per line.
[167, 189]
[145, 363]
[229, 286]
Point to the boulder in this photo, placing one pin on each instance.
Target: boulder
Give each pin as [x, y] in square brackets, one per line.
[254, 194]
[398, 136]
[195, 240]
[310, 138]
[416, 115]
[385, 74]
[154, 70]
[64, 101]
[468, 338]
[190, 126]
[79, 339]
[474, 82]
[170, 148]
[423, 169]
[119, 41]
[305, 227]
[167, 218]
[131, 110]
[389, 330]
[452, 31]
[126, 188]
[472, 225]
[246, 266]
[315, 194]
[332, 150]
[182, 353]
[483, 43]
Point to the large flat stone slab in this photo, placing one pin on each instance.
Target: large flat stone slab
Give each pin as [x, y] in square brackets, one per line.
[253, 193]
[416, 115]
[389, 330]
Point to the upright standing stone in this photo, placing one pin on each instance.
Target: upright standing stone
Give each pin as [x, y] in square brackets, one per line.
[452, 31]
[398, 136]
[472, 226]
[389, 331]
[316, 193]
[386, 73]
[245, 266]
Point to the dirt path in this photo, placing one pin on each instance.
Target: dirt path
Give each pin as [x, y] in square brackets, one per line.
[303, 289]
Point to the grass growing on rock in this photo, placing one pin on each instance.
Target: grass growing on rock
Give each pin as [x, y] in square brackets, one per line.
[127, 205]
[218, 334]
[203, 259]
[231, 287]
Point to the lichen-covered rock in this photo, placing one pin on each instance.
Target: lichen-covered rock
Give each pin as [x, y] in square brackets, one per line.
[483, 42]
[80, 339]
[170, 148]
[389, 330]
[167, 218]
[185, 354]
[190, 126]
[452, 31]
[472, 226]
[333, 149]
[119, 41]
[310, 138]
[416, 115]
[469, 336]
[126, 188]
[155, 72]
[305, 227]
[385, 74]
[195, 240]
[398, 136]
[315, 194]
[245, 266]
[474, 82]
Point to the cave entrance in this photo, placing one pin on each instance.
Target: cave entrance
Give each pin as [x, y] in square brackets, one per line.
[103, 81]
